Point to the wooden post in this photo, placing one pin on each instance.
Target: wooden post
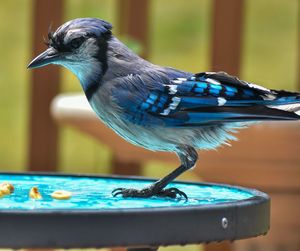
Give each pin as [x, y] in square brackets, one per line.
[133, 21]
[126, 168]
[227, 35]
[222, 246]
[44, 86]
[226, 53]
[298, 59]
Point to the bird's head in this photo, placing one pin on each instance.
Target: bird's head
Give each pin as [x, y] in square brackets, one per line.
[79, 45]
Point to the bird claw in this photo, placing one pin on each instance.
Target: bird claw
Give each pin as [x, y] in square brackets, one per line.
[130, 192]
[148, 192]
[172, 192]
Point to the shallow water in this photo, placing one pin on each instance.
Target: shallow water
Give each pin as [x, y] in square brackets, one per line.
[95, 193]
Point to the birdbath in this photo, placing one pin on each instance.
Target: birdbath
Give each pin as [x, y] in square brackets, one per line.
[92, 217]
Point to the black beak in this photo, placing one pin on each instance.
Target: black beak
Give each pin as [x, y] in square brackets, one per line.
[49, 56]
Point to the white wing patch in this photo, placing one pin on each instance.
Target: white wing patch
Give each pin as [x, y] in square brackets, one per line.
[289, 108]
[178, 80]
[172, 89]
[257, 87]
[182, 79]
[268, 96]
[172, 106]
[213, 81]
[221, 101]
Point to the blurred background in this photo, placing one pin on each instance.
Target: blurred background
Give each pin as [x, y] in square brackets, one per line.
[255, 40]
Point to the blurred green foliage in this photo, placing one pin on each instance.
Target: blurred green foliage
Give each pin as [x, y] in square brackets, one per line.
[270, 43]
[14, 82]
[180, 37]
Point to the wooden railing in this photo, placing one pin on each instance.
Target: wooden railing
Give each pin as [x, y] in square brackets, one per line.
[43, 132]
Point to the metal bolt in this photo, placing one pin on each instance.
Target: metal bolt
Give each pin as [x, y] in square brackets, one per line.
[224, 223]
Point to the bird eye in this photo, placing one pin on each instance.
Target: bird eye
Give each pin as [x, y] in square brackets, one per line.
[76, 42]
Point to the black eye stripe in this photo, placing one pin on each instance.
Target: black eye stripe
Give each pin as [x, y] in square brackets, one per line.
[57, 41]
[76, 42]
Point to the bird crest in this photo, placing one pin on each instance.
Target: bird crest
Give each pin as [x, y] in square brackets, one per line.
[85, 27]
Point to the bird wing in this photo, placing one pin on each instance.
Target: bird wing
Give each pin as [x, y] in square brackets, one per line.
[203, 99]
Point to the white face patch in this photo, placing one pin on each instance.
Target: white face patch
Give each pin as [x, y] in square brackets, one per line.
[84, 54]
[88, 49]
[84, 70]
[82, 62]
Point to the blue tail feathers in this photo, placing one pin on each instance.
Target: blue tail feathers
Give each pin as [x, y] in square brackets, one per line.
[218, 97]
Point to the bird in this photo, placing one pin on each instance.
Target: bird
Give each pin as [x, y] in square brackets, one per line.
[156, 107]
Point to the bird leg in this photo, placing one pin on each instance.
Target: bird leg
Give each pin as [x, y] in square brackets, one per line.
[188, 157]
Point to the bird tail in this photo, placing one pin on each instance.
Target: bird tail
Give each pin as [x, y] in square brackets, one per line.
[278, 105]
[286, 101]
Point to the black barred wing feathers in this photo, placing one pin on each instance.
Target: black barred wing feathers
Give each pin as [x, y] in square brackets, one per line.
[206, 99]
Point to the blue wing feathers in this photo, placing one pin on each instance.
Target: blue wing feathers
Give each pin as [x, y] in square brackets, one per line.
[194, 102]
[205, 98]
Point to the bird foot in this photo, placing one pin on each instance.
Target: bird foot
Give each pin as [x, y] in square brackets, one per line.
[149, 192]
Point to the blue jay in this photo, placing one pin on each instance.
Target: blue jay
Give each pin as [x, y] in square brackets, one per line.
[160, 108]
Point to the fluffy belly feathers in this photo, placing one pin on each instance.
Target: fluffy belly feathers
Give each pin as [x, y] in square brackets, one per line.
[163, 138]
